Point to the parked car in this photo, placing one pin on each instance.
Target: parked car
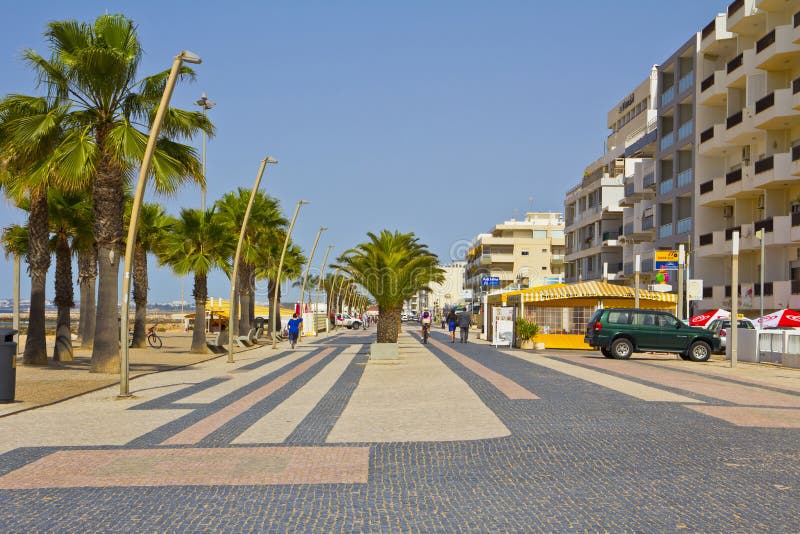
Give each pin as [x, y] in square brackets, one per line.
[721, 327]
[404, 317]
[343, 319]
[619, 332]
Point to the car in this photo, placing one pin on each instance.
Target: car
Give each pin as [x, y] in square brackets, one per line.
[404, 317]
[619, 332]
[721, 327]
[343, 319]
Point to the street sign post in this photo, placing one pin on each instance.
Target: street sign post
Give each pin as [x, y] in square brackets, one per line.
[667, 260]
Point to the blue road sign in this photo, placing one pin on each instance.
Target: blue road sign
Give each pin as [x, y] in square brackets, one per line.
[490, 280]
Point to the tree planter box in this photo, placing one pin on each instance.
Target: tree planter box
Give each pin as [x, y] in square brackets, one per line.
[384, 351]
[525, 345]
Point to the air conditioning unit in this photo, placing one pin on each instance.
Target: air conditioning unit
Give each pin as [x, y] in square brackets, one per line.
[727, 211]
[761, 202]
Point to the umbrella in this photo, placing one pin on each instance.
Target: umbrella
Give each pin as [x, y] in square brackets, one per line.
[706, 317]
[779, 318]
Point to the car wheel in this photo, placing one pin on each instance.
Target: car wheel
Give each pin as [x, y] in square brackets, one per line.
[621, 349]
[606, 352]
[699, 351]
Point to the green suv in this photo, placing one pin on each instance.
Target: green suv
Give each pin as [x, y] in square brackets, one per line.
[619, 332]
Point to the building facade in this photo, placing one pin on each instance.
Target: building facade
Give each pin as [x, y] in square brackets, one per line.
[748, 154]
[520, 254]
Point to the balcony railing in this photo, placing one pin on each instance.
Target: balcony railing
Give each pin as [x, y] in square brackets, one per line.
[734, 119]
[685, 129]
[649, 179]
[609, 236]
[709, 28]
[796, 19]
[729, 232]
[707, 134]
[764, 165]
[765, 102]
[795, 152]
[687, 81]
[735, 63]
[765, 224]
[707, 84]
[667, 140]
[667, 95]
[684, 225]
[765, 42]
[665, 186]
[735, 6]
[665, 230]
[796, 219]
[796, 86]
[706, 187]
[647, 222]
[706, 239]
[685, 177]
[733, 176]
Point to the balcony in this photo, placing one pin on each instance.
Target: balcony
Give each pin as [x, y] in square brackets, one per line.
[796, 160]
[649, 180]
[712, 141]
[773, 170]
[713, 36]
[684, 226]
[713, 245]
[610, 238]
[668, 95]
[686, 82]
[685, 178]
[738, 68]
[647, 223]
[667, 140]
[775, 111]
[777, 49]
[665, 230]
[712, 89]
[745, 18]
[713, 193]
[665, 186]
[739, 127]
[685, 129]
[739, 183]
[557, 259]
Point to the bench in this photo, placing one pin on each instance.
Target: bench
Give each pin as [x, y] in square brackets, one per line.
[246, 340]
[218, 342]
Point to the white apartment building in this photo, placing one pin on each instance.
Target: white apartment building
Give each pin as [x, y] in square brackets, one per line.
[448, 293]
[521, 254]
[748, 153]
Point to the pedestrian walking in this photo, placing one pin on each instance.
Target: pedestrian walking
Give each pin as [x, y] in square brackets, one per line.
[451, 320]
[293, 326]
[464, 322]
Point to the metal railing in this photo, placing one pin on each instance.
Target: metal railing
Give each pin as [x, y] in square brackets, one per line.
[665, 186]
[707, 83]
[684, 225]
[707, 134]
[764, 165]
[706, 187]
[668, 95]
[648, 222]
[735, 6]
[665, 230]
[765, 102]
[667, 140]
[735, 63]
[685, 177]
[765, 42]
[709, 28]
[765, 224]
[734, 119]
[686, 81]
[733, 176]
[685, 129]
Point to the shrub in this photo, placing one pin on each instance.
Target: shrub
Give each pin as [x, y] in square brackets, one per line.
[526, 330]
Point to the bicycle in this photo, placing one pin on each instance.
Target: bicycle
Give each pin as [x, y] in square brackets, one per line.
[153, 339]
[426, 328]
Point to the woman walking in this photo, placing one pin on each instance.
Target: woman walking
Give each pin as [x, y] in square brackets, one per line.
[451, 324]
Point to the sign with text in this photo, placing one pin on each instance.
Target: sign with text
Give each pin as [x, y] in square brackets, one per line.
[666, 259]
[694, 289]
[503, 331]
[490, 280]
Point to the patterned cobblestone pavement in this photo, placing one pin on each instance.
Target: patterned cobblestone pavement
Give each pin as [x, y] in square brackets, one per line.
[587, 452]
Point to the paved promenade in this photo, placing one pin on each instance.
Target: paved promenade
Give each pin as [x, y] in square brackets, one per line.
[452, 437]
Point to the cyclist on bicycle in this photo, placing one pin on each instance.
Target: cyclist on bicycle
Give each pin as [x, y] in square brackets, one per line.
[425, 319]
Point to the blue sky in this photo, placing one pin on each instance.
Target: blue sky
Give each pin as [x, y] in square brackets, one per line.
[442, 118]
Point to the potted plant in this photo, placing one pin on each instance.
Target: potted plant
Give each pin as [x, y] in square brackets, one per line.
[526, 332]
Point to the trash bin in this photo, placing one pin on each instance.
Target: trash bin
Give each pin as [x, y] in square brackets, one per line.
[8, 364]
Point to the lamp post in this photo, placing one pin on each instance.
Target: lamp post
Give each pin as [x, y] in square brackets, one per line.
[319, 289]
[15, 308]
[308, 267]
[206, 104]
[734, 298]
[276, 312]
[760, 235]
[235, 271]
[637, 268]
[681, 263]
[147, 159]
[329, 305]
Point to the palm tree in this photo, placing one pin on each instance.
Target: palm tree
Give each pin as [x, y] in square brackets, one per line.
[30, 131]
[391, 266]
[93, 70]
[154, 224]
[196, 244]
[258, 248]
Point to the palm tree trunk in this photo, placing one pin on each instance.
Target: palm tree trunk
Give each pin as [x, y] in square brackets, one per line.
[140, 284]
[108, 207]
[200, 296]
[389, 324]
[39, 262]
[252, 286]
[88, 281]
[64, 299]
[243, 288]
[274, 315]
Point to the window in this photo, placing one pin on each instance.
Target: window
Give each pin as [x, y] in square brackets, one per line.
[557, 234]
[524, 252]
[544, 250]
[615, 317]
[644, 319]
[540, 234]
[667, 320]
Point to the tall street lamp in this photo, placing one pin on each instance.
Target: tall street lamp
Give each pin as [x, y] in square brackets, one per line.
[276, 312]
[308, 267]
[235, 270]
[147, 160]
[319, 289]
[206, 104]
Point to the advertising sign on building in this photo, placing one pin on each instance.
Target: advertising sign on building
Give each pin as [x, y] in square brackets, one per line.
[490, 280]
[503, 322]
[666, 259]
[694, 289]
